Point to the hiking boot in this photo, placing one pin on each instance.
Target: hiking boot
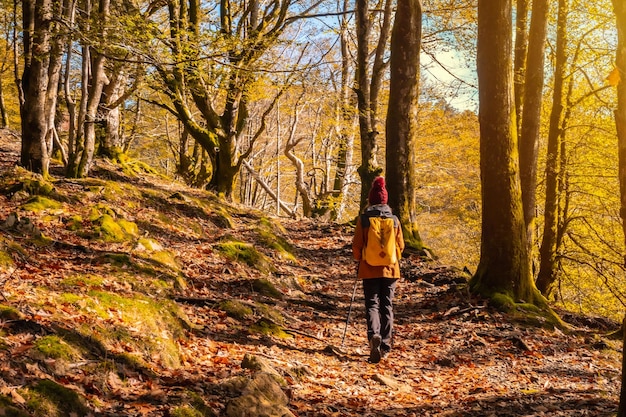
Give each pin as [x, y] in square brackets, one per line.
[375, 349]
[384, 353]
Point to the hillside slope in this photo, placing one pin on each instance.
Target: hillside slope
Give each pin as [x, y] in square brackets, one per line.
[126, 294]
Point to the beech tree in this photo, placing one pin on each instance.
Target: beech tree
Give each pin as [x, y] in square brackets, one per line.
[368, 87]
[552, 229]
[402, 120]
[504, 266]
[521, 54]
[209, 90]
[43, 46]
[531, 111]
[620, 112]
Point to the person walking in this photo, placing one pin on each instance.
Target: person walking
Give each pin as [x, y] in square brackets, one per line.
[379, 281]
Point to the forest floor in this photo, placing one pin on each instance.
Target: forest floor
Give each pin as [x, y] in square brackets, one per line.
[453, 354]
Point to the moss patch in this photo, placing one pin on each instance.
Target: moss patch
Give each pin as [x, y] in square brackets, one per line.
[55, 348]
[9, 313]
[47, 398]
[151, 326]
[235, 309]
[269, 328]
[111, 230]
[271, 234]
[40, 203]
[265, 287]
[246, 253]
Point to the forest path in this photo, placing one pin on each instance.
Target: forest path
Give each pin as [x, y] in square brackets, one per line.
[452, 355]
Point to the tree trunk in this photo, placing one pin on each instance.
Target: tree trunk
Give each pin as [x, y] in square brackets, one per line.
[345, 121]
[504, 265]
[368, 90]
[97, 81]
[37, 23]
[531, 113]
[621, 410]
[521, 52]
[4, 118]
[548, 251]
[402, 121]
[620, 112]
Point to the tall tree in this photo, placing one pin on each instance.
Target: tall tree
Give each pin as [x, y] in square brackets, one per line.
[43, 47]
[620, 113]
[211, 97]
[368, 85]
[551, 236]
[531, 111]
[504, 266]
[521, 55]
[402, 121]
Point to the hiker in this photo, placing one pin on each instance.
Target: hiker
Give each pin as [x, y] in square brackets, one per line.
[379, 281]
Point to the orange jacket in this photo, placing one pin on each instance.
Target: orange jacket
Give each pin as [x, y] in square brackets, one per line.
[360, 240]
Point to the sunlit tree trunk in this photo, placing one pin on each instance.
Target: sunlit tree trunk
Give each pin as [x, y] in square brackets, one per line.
[402, 121]
[521, 52]
[504, 266]
[344, 122]
[620, 112]
[368, 89]
[42, 40]
[548, 251]
[531, 112]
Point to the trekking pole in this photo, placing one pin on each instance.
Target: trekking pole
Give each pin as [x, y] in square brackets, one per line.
[356, 282]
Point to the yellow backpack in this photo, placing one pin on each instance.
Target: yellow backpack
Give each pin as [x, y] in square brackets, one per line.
[380, 249]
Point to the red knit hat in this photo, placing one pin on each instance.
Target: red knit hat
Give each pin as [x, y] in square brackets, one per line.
[378, 192]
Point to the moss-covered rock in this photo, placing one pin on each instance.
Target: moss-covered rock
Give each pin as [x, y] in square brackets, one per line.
[111, 230]
[244, 252]
[40, 203]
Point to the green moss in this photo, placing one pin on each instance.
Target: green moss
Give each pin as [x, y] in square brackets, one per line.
[110, 230]
[269, 313]
[70, 298]
[236, 309]
[74, 223]
[49, 399]
[56, 348]
[165, 257]
[9, 313]
[271, 235]
[265, 287]
[148, 244]
[502, 301]
[244, 252]
[119, 259]
[153, 326]
[39, 203]
[100, 210]
[5, 260]
[90, 281]
[221, 218]
[269, 328]
[37, 186]
[129, 227]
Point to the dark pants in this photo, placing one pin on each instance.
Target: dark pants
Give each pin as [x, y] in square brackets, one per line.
[379, 294]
